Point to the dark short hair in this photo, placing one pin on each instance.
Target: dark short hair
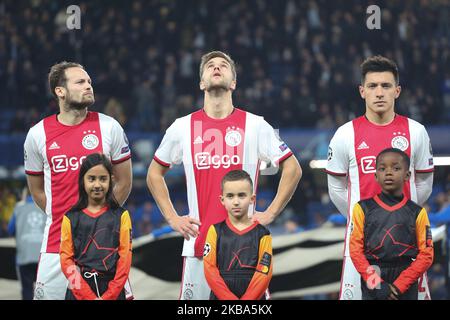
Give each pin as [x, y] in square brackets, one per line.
[398, 151]
[215, 54]
[237, 175]
[379, 64]
[89, 162]
[57, 75]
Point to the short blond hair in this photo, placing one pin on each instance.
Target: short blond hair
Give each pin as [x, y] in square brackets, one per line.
[215, 54]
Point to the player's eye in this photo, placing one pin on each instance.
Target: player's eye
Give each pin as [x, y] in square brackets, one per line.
[387, 85]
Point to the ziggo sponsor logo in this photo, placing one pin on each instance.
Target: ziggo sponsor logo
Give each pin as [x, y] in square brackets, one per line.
[61, 163]
[204, 160]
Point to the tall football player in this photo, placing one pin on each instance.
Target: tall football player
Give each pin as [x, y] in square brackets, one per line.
[354, 147]
[210, 142]
[54, 150]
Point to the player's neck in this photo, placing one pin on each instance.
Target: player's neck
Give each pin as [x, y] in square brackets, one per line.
[71, 117]
[240, 223]
[380, 118]
[218, 106]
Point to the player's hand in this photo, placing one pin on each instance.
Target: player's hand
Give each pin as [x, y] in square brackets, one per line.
[187, 226]
[263, 218]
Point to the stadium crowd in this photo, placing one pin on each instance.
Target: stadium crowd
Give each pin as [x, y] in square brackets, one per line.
[297, 65]
[143, 57]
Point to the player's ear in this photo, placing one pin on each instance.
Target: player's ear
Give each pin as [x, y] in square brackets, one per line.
[221, 198]
[233, 85]
[253, 198]
[398, 90]
[202, 85]
[60, 92]
[362, 92]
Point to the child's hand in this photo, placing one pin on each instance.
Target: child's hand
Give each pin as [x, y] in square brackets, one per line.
[394, 293]
[386, 291]
[383, 292]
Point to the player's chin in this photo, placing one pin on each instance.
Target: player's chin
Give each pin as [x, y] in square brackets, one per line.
[217, 86]
[88, 100]
[379, 108]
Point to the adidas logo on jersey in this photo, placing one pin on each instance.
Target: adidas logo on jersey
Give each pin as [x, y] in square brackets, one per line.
[53, 146]
[198, 140]
[363, 145]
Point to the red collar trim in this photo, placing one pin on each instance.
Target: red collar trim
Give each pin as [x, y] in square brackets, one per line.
[240, 232]
[219, 120]
[390, 208]
[95, 214]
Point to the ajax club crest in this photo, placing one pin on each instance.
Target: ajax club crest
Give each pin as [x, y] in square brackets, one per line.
[90, 141]
[400, 141]
[233, 137]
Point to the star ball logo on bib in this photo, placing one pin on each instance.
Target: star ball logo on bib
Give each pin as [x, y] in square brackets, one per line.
[90, 141]
[399, 141]
[233, 137]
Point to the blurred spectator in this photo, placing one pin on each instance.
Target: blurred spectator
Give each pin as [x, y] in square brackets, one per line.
[443, 217]
[147, 218]
[292, 226]
[7, 203]
[297, 60]
[144, 102]
[114, 109]
[27, 225]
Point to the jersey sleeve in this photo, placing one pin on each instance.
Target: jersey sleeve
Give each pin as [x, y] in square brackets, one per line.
[170, 150]
[424, 258]
[120, 148]
[423, 155]
[79, 287]
[212, 274]
[270, 146]
[263, 273]
[33, 159]
[123, 266]
[338, 158]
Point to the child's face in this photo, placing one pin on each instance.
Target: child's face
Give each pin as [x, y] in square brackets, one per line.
[96, 183]
[392, 173]
[236, 197]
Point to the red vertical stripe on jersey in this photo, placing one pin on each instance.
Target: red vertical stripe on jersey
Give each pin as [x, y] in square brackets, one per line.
[66, 147]
[217, 147]
[370, 140]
